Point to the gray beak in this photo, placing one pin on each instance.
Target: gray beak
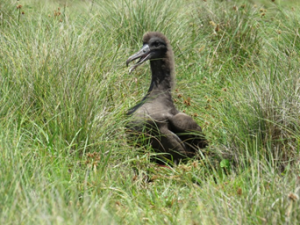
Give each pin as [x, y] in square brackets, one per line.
[143, 55]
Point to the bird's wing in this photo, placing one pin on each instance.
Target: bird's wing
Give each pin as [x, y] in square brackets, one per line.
[169, 142]
[187, 130]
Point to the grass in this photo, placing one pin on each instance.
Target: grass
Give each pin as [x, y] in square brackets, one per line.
[65, 91]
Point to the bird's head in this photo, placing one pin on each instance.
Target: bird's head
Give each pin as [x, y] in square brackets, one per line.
[155, 47]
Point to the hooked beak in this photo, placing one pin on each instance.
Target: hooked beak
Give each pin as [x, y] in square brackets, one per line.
[143, 55]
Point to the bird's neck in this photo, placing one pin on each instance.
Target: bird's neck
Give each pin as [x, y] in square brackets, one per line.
[162, 80]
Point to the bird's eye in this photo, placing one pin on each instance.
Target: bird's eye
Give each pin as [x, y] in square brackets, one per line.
[156, 44]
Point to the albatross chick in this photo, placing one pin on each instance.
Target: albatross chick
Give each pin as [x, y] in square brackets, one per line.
[171, 132]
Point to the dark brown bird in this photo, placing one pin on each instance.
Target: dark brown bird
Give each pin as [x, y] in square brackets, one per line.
[169, 131]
